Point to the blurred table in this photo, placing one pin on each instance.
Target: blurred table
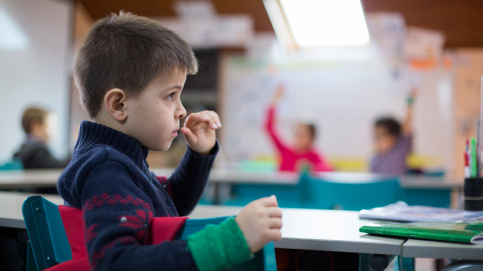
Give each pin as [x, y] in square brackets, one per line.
[418, 189]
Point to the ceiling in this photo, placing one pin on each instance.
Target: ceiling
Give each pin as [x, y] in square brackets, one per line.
[460, 20]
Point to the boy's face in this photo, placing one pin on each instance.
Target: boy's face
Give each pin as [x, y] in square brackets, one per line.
[383, 140]
[303, 138]
[153, 116]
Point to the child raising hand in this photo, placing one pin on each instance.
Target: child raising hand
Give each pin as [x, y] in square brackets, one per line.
[302, 150]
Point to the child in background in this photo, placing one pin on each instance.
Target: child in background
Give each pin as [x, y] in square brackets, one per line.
[130, 72]
[302, 153]
[39, 126]
[393, 143]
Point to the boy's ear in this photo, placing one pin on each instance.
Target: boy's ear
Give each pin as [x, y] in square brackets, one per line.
[115, 103]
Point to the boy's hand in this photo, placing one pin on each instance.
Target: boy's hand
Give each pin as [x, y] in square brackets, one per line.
[199, 131]
[260, 221]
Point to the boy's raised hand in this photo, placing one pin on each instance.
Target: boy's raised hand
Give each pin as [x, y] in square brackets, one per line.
[199, 131]
[279, 92]
[260, 221]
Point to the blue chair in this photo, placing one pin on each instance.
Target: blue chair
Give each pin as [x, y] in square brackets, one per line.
[49, 244]
[288, 196]
[15, 164]
[353, 192]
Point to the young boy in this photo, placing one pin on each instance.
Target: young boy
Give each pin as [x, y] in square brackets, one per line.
[393, 143]
[302, 153]
[38, 125]
[130, 73]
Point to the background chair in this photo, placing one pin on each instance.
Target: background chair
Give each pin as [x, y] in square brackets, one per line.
[49, 244]
[14, 164]
[350, 191]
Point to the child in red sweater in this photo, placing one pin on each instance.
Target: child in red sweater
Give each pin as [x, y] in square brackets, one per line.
[302, 153]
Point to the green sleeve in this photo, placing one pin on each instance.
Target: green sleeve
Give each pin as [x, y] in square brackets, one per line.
[219, 246]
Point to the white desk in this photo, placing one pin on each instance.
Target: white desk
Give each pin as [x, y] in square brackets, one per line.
[11, 208]
[332, 230]
[29, 178]
[413, 248]
[425, 182]
[48, 178]
[302, 229]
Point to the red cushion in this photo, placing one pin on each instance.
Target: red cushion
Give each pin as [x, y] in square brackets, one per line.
[74, 228]
[164, 229]
[72, 265]
[161, 229]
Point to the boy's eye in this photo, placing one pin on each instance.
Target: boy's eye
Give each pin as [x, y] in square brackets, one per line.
[171, 96]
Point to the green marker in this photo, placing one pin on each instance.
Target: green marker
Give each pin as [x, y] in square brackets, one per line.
[473, 163]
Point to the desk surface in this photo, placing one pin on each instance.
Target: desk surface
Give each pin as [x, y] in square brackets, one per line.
[332, 231]
[48, 178]
[302, 229]
[433, 249]
[11, 208]
[29, 178]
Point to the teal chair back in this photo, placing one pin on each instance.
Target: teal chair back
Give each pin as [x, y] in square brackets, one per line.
[48, 240]
[14, 164]
[49, 244]
[349, 194]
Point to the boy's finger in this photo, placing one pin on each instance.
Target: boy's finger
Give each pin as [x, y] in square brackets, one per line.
[211, 119]
[274, 212]
[190, 137]
[202, 117]
[269, 201]
[274, 235]
[215, 118]
[275, 223]
[189, 121]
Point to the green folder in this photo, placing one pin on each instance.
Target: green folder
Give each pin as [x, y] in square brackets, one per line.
[470, 233]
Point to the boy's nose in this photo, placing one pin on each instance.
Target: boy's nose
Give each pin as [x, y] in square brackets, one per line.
[181, 113]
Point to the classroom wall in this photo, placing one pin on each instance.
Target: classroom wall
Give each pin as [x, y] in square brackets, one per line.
[467, 101]
[342, 96]
[38, 73]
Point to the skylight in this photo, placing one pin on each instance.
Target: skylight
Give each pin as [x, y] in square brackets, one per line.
[323, 22]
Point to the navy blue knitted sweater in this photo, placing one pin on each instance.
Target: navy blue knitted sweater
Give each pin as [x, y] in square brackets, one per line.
[109, 179]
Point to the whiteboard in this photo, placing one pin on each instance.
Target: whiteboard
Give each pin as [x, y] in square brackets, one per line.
[342, 97]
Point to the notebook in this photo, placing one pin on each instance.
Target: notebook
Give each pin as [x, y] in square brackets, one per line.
[470, 233]
[400, 211]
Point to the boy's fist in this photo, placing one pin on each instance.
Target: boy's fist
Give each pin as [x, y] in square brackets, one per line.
[260, 221]
[199, 131]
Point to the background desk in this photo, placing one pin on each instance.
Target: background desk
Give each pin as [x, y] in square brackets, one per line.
[11, 208]
[41, 178]
[431, 191]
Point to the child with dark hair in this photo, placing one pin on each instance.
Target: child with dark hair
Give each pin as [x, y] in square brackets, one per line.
[130, 73]
[393, 142]
[39, 126]
[302, 152]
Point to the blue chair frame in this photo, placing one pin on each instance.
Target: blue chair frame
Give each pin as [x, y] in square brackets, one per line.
[49, 245]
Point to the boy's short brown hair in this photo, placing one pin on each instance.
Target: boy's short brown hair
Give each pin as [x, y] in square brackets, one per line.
[31, 115]
[126, 51]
